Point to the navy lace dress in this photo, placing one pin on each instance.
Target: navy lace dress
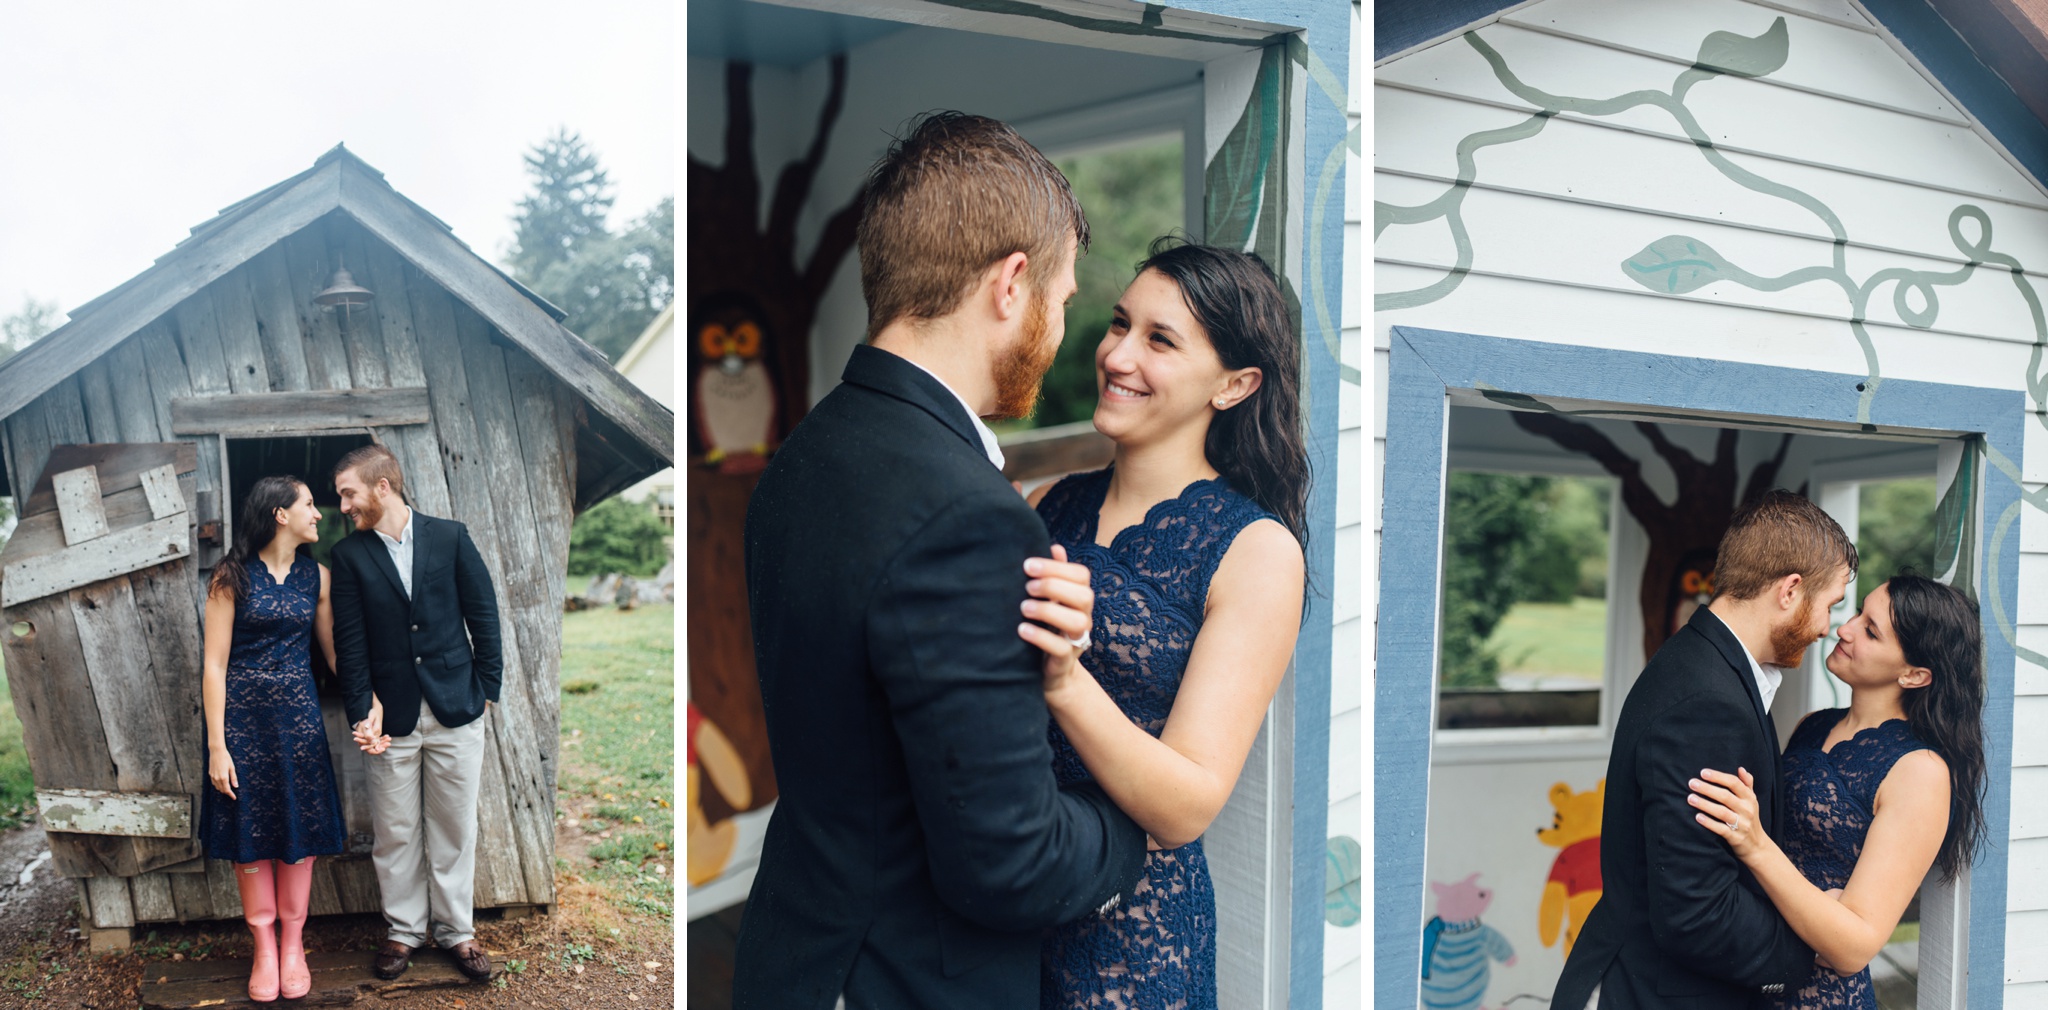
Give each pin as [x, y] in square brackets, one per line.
[1829, 800]
[285, 806]
[1156, 949]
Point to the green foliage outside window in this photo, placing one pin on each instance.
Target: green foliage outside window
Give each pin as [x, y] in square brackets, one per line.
[1895, 531]
[1510, 539]
[1131, 195]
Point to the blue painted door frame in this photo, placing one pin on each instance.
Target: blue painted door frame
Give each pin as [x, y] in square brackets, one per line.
[1426, 365]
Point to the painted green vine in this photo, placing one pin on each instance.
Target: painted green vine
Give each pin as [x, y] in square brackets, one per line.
[1679, 264]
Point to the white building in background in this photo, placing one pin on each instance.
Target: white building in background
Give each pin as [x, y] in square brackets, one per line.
[651, 364]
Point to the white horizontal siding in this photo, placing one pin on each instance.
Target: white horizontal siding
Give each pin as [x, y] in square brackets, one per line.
[2027, 996]
[2030, 733]
[1803, 127]
[1830, 58]
[2026, 892]
[2026, 947]
[2029, 808]
[1516, 236]
[2029, 678]
[1560, 313]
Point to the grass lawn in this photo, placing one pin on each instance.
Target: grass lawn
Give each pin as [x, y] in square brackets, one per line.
[1553, 638]
[615, 796]
[17, 789]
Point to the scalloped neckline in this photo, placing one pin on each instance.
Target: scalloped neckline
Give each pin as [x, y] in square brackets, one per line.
[1093, 532]
[288, 573]
[1851, 738]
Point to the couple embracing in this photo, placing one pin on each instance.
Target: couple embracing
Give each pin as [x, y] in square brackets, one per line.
[1735, 876]
[1001, 725]
[409, 622]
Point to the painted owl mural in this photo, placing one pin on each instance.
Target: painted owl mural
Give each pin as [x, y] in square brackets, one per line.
[733, 390]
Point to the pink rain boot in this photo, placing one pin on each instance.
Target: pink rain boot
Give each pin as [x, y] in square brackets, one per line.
[294, 891]
[259, 909]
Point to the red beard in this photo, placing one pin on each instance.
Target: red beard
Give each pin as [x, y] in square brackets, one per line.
[1021, 368]
[1789, 641]
[369, 513]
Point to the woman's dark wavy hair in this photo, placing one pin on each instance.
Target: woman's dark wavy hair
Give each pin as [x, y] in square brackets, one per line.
[254, 530]
[1257, 445]
[1939, 628]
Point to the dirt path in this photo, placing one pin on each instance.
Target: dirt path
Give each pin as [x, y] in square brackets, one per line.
[587, 956]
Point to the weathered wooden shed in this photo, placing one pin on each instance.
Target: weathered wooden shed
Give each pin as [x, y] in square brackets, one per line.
[128, 436]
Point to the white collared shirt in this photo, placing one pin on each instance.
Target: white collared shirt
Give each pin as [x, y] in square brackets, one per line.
[1768, 677]
[401, 551]
[988, 438]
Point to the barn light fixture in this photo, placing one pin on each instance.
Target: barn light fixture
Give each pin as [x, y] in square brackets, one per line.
[343, 292]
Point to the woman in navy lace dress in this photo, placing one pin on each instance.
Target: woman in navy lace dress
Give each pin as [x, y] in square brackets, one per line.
[273, 805]
[1190, 543]
[1875, 793]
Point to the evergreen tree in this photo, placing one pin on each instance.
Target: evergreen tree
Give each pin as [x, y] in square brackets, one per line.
[26, 326]
[570, 200]
[610, 285]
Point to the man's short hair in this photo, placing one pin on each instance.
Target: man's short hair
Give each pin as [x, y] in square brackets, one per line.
[957, 194]
[1780, 534]
[373, 463]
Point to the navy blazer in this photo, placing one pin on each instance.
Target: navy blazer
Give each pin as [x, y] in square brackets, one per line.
[439, 646]
[920, 843]
[1681, 922]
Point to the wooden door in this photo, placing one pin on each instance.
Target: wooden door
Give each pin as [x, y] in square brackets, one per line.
[102, 652]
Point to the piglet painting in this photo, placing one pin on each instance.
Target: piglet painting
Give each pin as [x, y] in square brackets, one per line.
[1456, 947]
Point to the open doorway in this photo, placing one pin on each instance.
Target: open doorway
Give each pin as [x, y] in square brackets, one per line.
[309, 458]
[1573, 545]
[1719, 426]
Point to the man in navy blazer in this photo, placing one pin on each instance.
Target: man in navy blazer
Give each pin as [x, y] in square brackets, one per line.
[416, 624]
[921, 843]
[1681, 921]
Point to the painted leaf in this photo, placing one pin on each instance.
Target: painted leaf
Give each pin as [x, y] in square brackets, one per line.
[1675, 265]
[1235, 179]
[1744, 56]
[1951, 516]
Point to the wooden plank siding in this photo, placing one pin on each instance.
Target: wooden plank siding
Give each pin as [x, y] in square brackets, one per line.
[486, 435]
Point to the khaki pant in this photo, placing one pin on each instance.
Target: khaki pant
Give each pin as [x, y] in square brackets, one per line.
[423, 800]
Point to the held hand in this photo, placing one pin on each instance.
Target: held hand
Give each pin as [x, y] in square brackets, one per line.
[369, 734]
[220, 770]
[1062, 599]
[1729, 809]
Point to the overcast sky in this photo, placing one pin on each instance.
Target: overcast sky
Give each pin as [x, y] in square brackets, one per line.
[122, 125]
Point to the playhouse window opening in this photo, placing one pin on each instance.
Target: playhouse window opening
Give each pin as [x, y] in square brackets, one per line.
[310, 459]
[1526, 560]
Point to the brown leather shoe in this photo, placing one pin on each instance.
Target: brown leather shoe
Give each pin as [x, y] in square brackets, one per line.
[470, 958]
[392, 960]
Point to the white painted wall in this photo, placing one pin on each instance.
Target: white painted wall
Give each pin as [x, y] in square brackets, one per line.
[651, 364]
[1849, 120]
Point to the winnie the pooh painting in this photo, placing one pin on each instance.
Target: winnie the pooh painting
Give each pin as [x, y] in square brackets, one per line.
[1573, 887]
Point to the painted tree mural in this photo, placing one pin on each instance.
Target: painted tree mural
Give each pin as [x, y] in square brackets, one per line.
[1683, 534]
[749, 307]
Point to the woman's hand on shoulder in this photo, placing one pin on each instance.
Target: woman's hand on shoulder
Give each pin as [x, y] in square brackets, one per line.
[1728, 807]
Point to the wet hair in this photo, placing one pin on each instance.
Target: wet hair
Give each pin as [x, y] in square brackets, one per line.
[1257, 445]
[1939, 628]
[1780, 533]
[373, 463]
[954, 195]
[254, 530]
